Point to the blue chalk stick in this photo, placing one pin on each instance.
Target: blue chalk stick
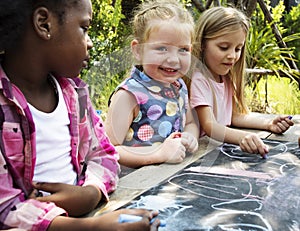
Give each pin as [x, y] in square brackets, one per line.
[265, 156]
[290, 117]
[123, 218]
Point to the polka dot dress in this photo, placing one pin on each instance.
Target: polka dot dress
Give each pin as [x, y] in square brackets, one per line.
[162, 109]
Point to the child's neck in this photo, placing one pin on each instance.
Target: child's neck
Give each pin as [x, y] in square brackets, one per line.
[43, 97]
[218, 79]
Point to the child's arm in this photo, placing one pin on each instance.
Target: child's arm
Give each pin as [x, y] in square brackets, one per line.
[191, 132]
[122, 111]
[170, 151]
[249, 142]
[69, 197]
[107, 222]
[279, 124]
[16, 212]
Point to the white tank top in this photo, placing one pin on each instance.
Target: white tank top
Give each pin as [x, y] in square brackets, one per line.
[53, 159]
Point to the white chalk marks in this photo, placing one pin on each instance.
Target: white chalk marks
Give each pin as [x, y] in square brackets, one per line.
[238, 192]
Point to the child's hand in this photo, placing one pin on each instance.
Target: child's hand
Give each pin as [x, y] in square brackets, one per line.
[109, 221]
[173, 150]
[280, 124]
[76, 200]
[253, 144]
[189, 142]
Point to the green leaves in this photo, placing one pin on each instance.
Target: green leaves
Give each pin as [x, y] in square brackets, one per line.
[107, 33]
[111, 55]
[263, 49]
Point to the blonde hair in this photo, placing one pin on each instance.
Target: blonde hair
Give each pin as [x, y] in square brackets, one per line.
[149, 11]
[215, 22]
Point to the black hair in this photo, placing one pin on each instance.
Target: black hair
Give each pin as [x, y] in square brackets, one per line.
[15, 14]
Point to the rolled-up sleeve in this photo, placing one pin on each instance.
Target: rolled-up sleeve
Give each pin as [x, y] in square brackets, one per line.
[16, 212]
[102, 159]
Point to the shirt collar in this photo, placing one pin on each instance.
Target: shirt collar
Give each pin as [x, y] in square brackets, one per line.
[156, 86]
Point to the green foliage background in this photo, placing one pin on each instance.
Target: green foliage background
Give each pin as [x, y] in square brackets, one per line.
[111, 56]
[274, 94]
[107, 33]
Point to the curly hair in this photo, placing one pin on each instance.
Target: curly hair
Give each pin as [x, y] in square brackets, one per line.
[15, 14]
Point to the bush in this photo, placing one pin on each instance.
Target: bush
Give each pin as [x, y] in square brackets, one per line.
[111, 55]
[107, 33]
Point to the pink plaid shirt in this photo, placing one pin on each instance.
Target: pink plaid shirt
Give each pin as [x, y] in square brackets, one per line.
[93, 157]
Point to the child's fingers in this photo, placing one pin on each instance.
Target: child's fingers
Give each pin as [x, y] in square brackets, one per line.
[189, 141]
[139, 212]
[186, 139]
[253, 144]
[263, 150]
[283, 125]
[34, 194]
[289, 120]
[178, 156]
[251, 147]
[155, 225]
[174, 150]
[194, 145]
[47, 187]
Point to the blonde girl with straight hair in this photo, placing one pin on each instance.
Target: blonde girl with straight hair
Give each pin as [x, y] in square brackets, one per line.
[217, 83]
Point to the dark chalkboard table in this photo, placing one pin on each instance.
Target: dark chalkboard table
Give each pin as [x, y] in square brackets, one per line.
[225, 191]
[231, 190]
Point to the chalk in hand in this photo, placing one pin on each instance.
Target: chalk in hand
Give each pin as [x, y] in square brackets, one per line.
[124, 218]
[290, 117]
[264, 156]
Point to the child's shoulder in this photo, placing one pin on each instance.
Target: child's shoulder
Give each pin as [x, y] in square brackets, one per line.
[198, 74]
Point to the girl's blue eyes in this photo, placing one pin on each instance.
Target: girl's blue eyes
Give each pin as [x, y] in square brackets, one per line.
[166, 49]
[162, 49]
[184, 50]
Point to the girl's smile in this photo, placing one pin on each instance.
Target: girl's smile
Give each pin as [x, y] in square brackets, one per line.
[165, 57]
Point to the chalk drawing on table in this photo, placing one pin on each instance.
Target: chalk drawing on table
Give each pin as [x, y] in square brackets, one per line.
[251, 205]
[251, 221]
[278, 167]
[230, 172]
[233, 193]
[222, 188]
[288, 167]
[251, 218]
[160, 203]
[235, 152]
